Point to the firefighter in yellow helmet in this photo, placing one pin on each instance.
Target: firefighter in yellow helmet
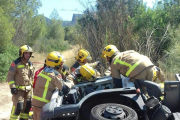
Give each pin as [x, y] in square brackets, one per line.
[130, 64]
[158, 74]
[47, 81]
[20, 77]
[83, 57]
[83, 73]
[62, 68]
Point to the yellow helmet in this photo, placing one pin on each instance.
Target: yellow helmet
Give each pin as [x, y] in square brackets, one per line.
[25, 48]
[82, 55]
[88, 72]
[109, 51]
[53, 59]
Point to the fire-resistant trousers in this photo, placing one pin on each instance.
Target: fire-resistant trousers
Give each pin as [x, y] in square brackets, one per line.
[21, 105]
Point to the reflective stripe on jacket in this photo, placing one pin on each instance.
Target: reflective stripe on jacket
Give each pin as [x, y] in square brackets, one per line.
[45, 85]
[20, 73]
[129, 64]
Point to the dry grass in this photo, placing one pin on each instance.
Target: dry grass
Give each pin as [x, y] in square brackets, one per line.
[170, 76]
[70, 56]
[39, 57]
[38, 60]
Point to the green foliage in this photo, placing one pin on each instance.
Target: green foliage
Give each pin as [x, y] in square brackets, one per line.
[45, 45]
[129, 24]
[70, 34]
[8, 6]
[25, 21]
[6, 31]
[172, 12]
[171, 62]
[6, 59]
[38, 29]
[109, 25]
[55, 30]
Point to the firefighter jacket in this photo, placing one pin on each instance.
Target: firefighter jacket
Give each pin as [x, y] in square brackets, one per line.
[129, 64]
[64, 71]
[48, 80]
[20, 74]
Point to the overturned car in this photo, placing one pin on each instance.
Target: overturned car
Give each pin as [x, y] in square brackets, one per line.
[99, 101]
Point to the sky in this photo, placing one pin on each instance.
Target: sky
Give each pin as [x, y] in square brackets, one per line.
[66, 8]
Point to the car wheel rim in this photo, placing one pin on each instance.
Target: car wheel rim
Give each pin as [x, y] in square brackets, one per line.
[114, 112]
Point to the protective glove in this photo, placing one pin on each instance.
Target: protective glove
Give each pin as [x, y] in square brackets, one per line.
[78, 77]
[14, 91]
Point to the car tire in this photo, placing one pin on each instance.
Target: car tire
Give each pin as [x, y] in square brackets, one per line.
[98, 111]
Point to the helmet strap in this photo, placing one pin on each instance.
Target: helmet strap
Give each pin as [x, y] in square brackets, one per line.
[31, 55]
[110, 60]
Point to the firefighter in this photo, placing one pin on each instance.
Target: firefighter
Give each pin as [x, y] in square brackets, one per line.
[83, 73]
[82, 58]
[20, 77]
[130, 64]
[62, 68]
[48, 80]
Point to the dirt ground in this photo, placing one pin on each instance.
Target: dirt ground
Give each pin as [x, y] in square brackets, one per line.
[5, 101]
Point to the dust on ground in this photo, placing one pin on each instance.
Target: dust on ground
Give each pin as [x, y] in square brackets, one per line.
[5, 101]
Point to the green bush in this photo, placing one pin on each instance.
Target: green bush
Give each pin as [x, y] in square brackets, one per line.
[45, 45]
[6, 59]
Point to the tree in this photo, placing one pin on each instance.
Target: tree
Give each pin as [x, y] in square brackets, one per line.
[70, 34]
[55, 15]
[55, 28]
[37, 29]
[22, 16]
[8, 6]
[6, 31]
